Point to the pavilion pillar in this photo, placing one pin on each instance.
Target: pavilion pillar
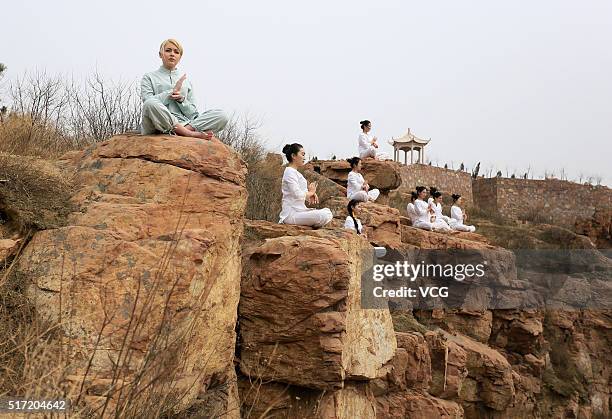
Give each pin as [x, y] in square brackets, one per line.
[411, 154]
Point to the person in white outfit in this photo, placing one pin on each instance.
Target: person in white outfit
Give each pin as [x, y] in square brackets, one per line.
[458, 217]
[356, 186]
[296, 191]
[368, 145]
[422, 210]
[410, 208]
[435, 202]
[352, 222]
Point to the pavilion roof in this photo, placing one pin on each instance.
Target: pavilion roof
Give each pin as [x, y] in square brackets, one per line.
[407, 139]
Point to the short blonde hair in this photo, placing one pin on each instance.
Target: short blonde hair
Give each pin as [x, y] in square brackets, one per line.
[173, 42]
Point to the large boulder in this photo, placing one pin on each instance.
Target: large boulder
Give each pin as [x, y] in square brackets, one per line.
[448, 366]
[301, 320]
[383, 175]
[490, 378]
[410, 367]
[381, 223]
[144, 280]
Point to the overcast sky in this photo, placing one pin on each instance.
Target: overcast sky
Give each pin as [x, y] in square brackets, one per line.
[512, 84]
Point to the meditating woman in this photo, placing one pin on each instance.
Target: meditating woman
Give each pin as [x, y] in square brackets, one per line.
[458, 217]
[435, 202]
[296, 191]
[410, 208]
[368, 146]
[168, 101]
[356, 186]
[423, 212]
[352, 222]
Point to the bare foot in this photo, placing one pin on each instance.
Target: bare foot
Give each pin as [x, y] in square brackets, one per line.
[186, 132]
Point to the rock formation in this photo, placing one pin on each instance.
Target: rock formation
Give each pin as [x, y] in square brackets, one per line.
[145, 278]
[159, 284]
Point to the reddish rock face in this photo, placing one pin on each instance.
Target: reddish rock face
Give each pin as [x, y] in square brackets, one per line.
[411, 404]
[150, 260]
[383, 175]
[598, 228]
[277, 400]
[425, 239]
[300, 317]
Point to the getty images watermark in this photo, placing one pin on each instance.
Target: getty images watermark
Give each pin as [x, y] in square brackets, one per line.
[478, 279]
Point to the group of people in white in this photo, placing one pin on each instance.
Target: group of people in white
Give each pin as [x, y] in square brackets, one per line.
[428, 215]
[297, 191]
[169, 107]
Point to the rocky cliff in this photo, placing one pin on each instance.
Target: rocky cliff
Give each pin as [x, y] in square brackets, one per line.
[159, 285]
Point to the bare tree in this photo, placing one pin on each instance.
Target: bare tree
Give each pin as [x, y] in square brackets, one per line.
[100, 109]
[52, 115]
[241, 134]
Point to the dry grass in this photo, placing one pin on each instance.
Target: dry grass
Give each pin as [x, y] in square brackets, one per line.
[34, 194]
[22, 135]
[264, 189]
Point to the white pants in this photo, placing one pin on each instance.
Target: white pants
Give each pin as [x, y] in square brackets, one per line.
[440, 224]
[425, 225]
[311, 218]
[463, 227]
[365, 196]
[373, 152]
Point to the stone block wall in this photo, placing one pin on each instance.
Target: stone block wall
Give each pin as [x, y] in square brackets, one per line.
[446, 180]
[551, 200]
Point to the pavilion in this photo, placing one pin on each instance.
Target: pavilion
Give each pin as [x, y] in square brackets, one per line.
[409, 142]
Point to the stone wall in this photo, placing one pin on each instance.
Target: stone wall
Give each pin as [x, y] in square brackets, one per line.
[551, 200]
[446, 180]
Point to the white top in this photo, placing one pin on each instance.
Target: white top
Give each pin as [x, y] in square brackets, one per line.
[294, 188]
[349, 224]
[411, 212]
[421, 208]
[437, 207]
[457, 214]
[365, 142]
[354, 183]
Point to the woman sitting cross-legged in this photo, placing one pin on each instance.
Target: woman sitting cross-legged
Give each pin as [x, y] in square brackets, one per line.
[458, 217]
[367, 144]
[296, 191]
[424, 214]
[169, 103]
[352, 221]
[435, 202]
[410, 208]
[356, 186]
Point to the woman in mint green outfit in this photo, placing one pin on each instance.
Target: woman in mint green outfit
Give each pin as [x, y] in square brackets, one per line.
[168, 102]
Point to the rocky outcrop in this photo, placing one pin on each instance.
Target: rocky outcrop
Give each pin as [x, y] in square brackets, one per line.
[598, 228]
[411, 404]
[448, 365]
[144, 280]
[424, 239]
[382, 175]
[301, 321]
[276, 400]
[381, 223]
[473, 323]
